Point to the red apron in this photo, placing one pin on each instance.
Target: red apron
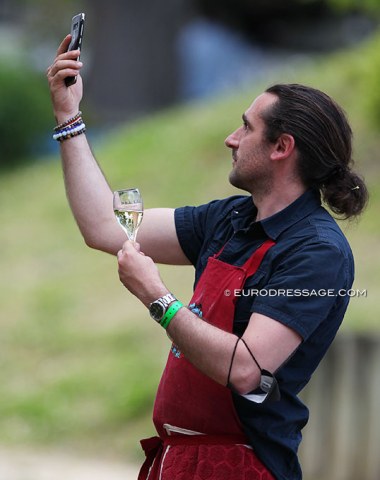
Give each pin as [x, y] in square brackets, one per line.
[188, 402]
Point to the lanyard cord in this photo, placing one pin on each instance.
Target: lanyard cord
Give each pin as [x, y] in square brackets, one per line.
[229, 385]
[253, 357]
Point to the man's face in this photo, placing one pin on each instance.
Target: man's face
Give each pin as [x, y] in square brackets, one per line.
[251, 166]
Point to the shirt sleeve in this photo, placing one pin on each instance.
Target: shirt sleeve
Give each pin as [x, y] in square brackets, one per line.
[196, 225]
[305, 286]
[191, 225]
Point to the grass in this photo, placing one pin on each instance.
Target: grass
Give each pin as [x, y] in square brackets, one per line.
[80, 359]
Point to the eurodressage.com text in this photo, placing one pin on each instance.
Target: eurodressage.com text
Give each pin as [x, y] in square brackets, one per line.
[296, 292]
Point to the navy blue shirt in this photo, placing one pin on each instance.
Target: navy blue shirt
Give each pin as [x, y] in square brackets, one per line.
[301, 283]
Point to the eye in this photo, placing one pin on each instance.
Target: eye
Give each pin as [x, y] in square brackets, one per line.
[246, 124]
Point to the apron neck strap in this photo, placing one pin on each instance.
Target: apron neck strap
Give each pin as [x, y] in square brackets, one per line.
[254, 261]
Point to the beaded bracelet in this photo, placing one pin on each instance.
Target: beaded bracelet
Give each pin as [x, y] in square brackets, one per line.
[73, 132]
[67, 133]
[70, 128]
[77, 122]
[68, 122]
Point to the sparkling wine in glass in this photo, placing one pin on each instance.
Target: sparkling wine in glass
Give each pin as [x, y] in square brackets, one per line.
[128, 208]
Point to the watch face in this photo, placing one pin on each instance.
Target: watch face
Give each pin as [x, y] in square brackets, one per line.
[156, 311]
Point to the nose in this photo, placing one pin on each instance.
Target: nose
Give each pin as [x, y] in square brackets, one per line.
[232, 141]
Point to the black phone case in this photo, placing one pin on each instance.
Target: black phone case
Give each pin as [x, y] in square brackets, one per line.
[77, 28]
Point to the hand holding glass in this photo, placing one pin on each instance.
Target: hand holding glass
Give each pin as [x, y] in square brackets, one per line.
[128, 208]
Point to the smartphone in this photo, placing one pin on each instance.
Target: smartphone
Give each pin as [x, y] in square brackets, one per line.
[77, 27]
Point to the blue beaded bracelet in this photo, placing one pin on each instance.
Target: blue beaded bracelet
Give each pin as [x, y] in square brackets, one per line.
[69, 132]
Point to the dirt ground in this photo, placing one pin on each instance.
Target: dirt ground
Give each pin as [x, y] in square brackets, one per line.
[38, 465]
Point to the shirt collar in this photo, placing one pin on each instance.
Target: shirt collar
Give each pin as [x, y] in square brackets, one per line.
[296, 211]
[273, 226]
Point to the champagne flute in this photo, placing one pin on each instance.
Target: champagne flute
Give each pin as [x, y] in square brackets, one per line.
[128, 208]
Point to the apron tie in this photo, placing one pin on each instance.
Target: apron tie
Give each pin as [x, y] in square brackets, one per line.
[154, 447]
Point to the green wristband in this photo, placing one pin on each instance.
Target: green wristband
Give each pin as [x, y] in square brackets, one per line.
[172, 310]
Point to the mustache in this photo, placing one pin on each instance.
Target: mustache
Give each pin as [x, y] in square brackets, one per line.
[234, 155]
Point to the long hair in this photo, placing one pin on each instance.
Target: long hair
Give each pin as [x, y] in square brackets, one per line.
[323, 138]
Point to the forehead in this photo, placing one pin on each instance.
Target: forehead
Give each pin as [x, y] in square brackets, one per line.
[260, 104]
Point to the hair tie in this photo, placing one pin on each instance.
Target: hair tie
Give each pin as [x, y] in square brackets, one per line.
[331, 175]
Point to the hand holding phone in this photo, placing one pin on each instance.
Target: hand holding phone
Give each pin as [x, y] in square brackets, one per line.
[77, 28]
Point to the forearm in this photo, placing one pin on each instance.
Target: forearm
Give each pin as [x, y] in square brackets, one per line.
[210, 350]
[89, 195]
[87, 190]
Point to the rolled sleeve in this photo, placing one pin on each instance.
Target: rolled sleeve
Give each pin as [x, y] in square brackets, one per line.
[196, 226]
[192, 225]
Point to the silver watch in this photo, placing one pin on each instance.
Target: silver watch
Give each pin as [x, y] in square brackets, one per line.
[158, 308]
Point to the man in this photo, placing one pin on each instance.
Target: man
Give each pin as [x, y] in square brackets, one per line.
[270, 271]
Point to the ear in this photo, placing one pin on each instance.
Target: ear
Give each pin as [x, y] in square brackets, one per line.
[284, 147]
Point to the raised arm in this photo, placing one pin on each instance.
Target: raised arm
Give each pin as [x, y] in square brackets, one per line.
[88, 193]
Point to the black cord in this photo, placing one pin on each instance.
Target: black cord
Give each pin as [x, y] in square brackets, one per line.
[253, 357]
[233, 357]
[232, 361]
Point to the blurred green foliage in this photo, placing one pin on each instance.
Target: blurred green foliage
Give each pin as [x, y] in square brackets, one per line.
[372, 6]
[359, 69]
[365, 73]
[25, 114]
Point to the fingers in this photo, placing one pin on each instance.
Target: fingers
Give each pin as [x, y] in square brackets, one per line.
[64, 45]
[68, 66]
[66, 63]
[136, 246]
[65, 60]
[130, 244]
[63, 68]
[129, 247]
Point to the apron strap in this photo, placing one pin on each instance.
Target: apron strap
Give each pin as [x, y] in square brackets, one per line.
[227, 439]
[254, 261]
[217, 254]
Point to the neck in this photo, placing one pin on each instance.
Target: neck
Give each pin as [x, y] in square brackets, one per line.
[278, 199]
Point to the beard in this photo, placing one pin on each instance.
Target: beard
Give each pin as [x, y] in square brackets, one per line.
[252, 173]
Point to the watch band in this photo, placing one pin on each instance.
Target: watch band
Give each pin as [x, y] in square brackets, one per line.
[166, 300]
[170, 313]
